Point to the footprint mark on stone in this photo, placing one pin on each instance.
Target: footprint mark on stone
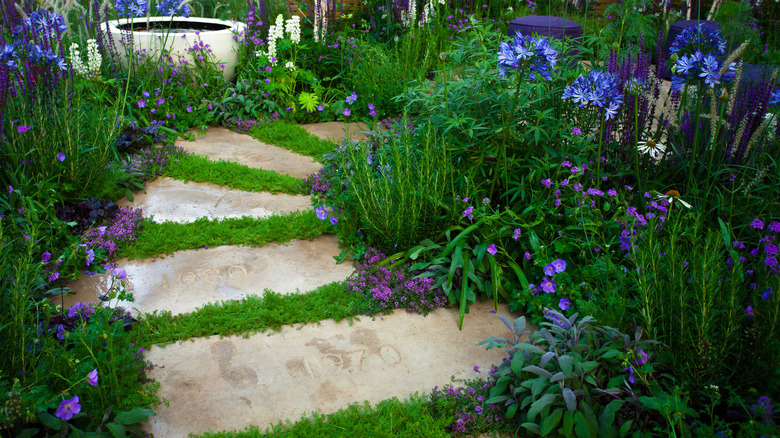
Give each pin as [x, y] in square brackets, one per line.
[238, 376]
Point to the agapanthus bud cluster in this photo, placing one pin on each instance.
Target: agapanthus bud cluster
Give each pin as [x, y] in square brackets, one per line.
[599, 89]
[94, 59]
[172, 8]
[527, 52]
[294, 29]
[131, 8]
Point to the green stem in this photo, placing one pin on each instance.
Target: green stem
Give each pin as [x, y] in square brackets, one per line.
[598, 157]
[130, 56]
[695, 146]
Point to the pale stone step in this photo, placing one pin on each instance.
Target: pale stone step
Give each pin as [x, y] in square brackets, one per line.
[223, 144]
[167, 199]
[189, 279]
[335, 131]
[235, 382]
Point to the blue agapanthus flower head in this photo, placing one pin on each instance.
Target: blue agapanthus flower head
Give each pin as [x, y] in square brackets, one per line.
[775, 96]
[173, 8]
[702, 38]
[599, 89]
[527, 52]
[131, 8]
[45, 22]
[690, 69]
[8, 55]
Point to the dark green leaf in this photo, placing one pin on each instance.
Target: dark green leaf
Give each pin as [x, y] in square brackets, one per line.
[551, 421]
[49, 420]
[539, 405]
[135, 415]
[117, 430]
[565, 362]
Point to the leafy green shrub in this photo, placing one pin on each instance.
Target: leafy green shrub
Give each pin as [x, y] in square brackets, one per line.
[573, 377]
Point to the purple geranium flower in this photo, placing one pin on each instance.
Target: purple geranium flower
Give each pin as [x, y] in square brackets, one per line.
[119, 273]
[749, 311]
[75, 309]
[347, 112]
[61, 157]
[68, 408]
[491, 249]
[564, 304]
[334, 220]
[548, 286]
[321, 213]
[641, 358]
[559, 265]
[549, 270]
[92, 377]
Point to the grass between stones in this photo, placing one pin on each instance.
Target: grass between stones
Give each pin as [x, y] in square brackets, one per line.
[294, 138]
[254, 314]
[413, 417]
[156, 239]
[389, 418]
[192, 167]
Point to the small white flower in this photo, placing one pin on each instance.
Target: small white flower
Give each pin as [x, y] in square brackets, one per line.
[673, 196]
[289, 66]
[649, 147]
[94, 58]
[76, 62]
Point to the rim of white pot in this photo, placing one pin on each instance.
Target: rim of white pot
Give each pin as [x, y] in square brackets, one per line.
[232, 27]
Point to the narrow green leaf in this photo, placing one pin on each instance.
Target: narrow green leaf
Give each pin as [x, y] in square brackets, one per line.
[49, 420]
[539, 405]
[494, 280]
[117, 430]
[568, 423]
[533, 428]
[581, 426]
[135, 415]
[551, 421]
[565, 362]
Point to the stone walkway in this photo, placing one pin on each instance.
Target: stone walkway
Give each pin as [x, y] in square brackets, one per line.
[231, 383]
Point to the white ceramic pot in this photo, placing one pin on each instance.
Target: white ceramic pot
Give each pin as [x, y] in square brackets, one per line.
[179, 34]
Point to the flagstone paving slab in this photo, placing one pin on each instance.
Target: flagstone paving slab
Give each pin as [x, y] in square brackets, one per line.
[168, 199]
[223, 144]
[233, 382]
[334, 131]
[189, 279]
